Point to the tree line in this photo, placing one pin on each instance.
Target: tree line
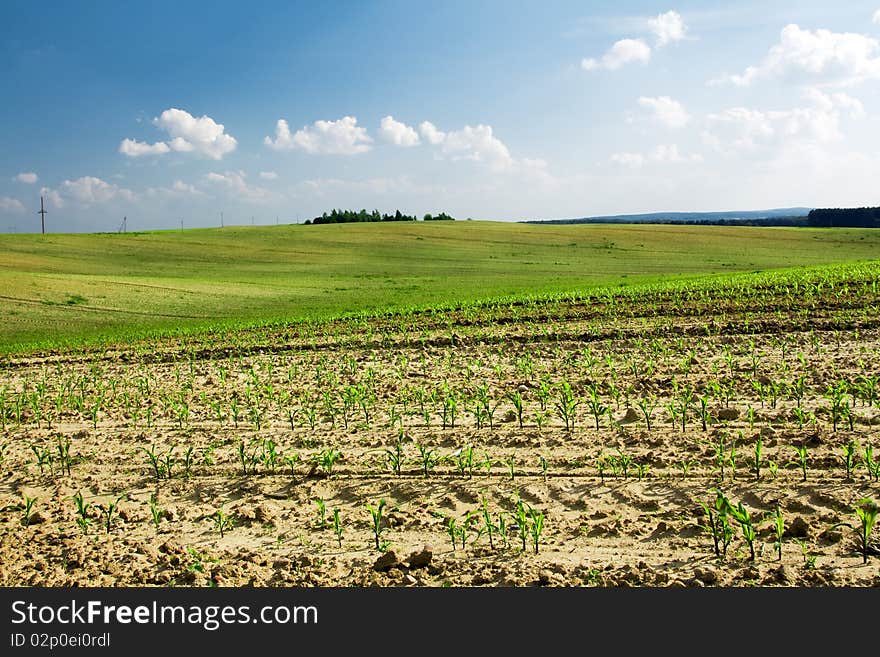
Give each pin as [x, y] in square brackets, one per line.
[847, 217]
[351, 216]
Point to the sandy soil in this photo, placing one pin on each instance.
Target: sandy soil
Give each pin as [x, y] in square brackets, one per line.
[602, 526]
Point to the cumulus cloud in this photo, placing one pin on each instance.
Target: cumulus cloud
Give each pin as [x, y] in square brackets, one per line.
[431, 133]
[28, 177]
[9, 204]
[236, 184]
[821, 56]
[52, 197]
[189, 134]
[747, 129]
[342, 137]
[876, 17]
[663, 153]
[477, 143]
[200, 135]
[621, 53]
[666, 111]
[668, 27]
[89, 190]
[398, 133]
[268, 175]
[133, 148]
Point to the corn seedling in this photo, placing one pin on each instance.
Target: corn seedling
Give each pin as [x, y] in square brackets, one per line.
[44, 457]
[110, 511]
[155, 512]
[779, 529]
[63, 449]
[27, 508]
[337, 527]
[451, 531]
[223, 522]
[773, 467]
[647, 406]
[377, 526]
[566, 404]
[516, 399]
[322, 512]
[685, 466]
[428, 458]
[809, 559]
[326, 459]
[489, 526]
[719, 526]
[82, 510]
[871, 464]
[522, 522]
[802, 458]
[536, 527]
[866, 511]
[394, 457]
[744, 518]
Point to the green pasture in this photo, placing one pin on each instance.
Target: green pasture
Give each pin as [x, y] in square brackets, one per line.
[67, 288]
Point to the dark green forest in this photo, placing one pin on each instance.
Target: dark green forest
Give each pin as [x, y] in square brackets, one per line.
[352, 216]
[845, 217]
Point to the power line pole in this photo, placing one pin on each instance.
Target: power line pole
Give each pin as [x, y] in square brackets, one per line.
[42, 214]
[221, 220]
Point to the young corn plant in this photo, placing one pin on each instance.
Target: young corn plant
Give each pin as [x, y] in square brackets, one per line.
[27, 509]
[757, 460]
[647, 407]
[536, 526]
[516, 399]
[155, 512]
[322, 513]
[337, 527]
[223, 522]
[597, 408]
[741, 514]
[522, 521]
[489, 527]
[566, 404]
[377, 524]
[866, 510]
[326, 459]
[82, 511]
[110, 510]
[779, 530]
[428, 458]
[719, 525]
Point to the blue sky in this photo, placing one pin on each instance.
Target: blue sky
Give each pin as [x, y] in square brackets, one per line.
[177, 111]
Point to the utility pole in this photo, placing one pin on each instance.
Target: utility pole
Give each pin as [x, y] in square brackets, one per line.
[252, 220]
[42, 214]
[181, 225]
[221, 220]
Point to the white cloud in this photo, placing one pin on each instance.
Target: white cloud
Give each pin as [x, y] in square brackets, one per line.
[184, 188]
[28, 177]
[52, 197]
[668, 27]
[200, 135]
[431, 133]
[8, 204]
[821, 56]
[398, 133]
[746, 129]
[268, 175]
[342, 137]
[88, 190]
[477, 143]
[663, 153]
[621, 53]
[235, 183]
[876, 17]
[133, 148]
[189, 134]
[666, 111]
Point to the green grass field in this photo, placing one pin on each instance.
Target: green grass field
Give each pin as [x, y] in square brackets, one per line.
[70, 288]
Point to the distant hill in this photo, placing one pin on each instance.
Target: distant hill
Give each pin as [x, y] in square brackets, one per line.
[789, 216]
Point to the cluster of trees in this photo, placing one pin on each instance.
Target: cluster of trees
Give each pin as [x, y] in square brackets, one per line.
[352, 216]
[849, 217]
